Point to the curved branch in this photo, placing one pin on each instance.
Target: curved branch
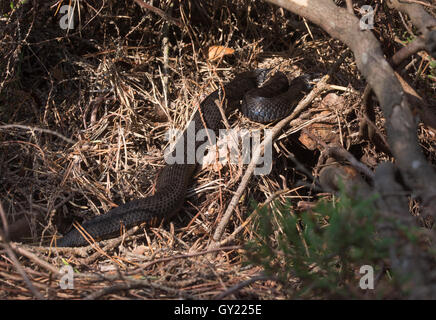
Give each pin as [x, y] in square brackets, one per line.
[422, 20]
[401, 126]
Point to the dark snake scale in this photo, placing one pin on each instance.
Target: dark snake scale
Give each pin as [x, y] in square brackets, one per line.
[274, 100]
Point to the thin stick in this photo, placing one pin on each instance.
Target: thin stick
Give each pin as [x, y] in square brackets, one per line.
[160, 12]
[243, 284]
[31, 256]
[9, 126]
[112, 244]
[421, 3]
[405, 52]
[189, 255]
[257, 154]
[5, 244]
[135, 284]
[252, 215]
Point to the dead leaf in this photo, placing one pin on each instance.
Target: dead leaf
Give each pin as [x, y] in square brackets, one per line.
[140, 250]
[216, 52]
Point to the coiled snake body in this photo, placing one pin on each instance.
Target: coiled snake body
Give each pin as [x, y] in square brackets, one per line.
[272, 101]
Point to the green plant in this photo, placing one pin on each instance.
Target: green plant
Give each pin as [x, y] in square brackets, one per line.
[19, 3]
[324, 248]
[432, 69]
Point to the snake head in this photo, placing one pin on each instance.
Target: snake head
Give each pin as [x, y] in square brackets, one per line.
[311, 79]
[258, 75]
[244, 82]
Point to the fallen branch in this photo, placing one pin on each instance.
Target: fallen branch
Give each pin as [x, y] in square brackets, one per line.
[405, 52]
[10, 252]
[19, 126]
[401, 126]
[241, 285]
[421, 19]
[159, 12]
[189, 255]
[321, 86]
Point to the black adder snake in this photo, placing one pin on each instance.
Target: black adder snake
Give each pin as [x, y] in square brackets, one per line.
[274, 100]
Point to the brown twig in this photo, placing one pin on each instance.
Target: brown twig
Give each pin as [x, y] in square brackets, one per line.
[321, 86]
[339, 153]
[189, 255]
[400, 123]
[6, 245]
[112, 243]
[405, 52]
[243, 284]
[160, 12]
[422, 3]
[19, 126]
[420, 18]
[21, 250]
[130, 284]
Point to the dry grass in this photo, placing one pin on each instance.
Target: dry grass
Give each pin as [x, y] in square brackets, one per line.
[90, 104]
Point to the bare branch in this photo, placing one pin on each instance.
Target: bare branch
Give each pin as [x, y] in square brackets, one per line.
[322, 85]
[422, 20]
[405, 52]
[159, 12]
[350, 6]
[401, 125]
